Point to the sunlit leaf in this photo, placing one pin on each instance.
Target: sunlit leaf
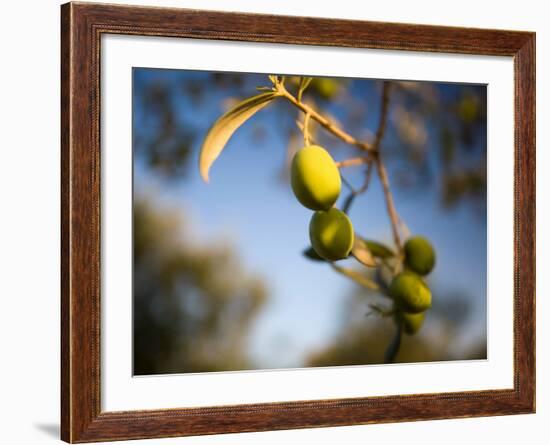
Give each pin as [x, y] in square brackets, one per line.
[403, 229]
[362, 253]
[226, 125]
[356, 276]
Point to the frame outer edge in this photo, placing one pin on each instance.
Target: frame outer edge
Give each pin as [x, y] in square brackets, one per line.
[525, 301]
[80, 228]
[66, 92]
[81, 417]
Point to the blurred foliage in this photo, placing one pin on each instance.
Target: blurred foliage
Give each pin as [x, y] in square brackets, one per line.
[193, 304]
[366, 344]
[423, 119]
[166, 149]
[363, 337]
[453, 123]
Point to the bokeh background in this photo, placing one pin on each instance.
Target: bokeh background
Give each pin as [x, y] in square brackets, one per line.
[220, 279]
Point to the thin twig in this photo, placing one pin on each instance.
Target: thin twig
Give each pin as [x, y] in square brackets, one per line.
[394, 346]
[323, 121]
[348, 185]
[304, 83]
[353, 161]
[380, 167]
[366, 182]
[390, 205]
[356, 192]
[383, 115]
[306, 129]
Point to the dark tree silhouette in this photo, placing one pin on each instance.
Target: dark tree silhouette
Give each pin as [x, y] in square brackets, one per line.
[193, 304]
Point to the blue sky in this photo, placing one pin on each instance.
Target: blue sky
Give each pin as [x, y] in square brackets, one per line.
[246, 203]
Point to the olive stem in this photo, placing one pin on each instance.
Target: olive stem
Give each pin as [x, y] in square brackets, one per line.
[390, 205]
[306, 129]
[394, 346]
[323, 121]
[366, 182]
[381, 169]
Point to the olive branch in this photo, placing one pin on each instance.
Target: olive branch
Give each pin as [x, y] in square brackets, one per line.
[366, 252]
[373, 150]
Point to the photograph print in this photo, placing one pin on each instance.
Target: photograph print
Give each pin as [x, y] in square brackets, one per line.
[287, 221]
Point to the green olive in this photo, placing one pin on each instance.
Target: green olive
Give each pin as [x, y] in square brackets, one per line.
[410, 292]
[315, 178]
[331, 234]
[419, 255]
[327, 88]
[468, 108]
[411, 322]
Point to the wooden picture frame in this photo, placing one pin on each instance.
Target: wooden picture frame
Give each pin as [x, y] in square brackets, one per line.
[82, 25]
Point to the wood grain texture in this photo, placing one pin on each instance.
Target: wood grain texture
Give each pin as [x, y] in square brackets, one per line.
[65, 228]
[81, 28]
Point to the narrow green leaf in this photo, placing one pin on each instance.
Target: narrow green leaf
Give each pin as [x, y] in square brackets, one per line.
[378, 249]
[380, 310]
[356, 276]
[362, 253]
[226, 125]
